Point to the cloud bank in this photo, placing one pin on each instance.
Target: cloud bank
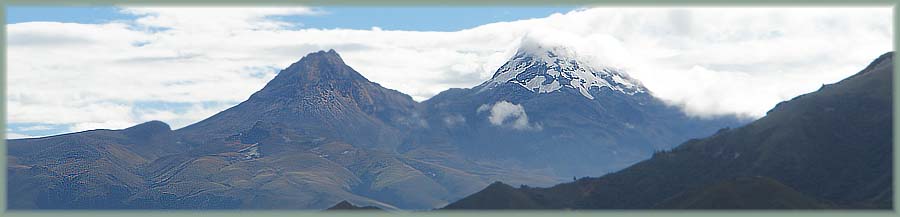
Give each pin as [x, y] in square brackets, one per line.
[181, 65]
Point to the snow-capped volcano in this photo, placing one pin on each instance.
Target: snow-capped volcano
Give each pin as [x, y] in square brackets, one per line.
[544, 69]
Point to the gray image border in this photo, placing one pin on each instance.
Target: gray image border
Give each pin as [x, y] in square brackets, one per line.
[445, 3]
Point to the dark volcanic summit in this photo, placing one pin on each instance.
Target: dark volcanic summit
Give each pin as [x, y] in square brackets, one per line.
[320, 94]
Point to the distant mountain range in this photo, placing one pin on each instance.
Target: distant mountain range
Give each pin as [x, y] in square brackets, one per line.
[320, 133]
[828, 149]
[548, 108]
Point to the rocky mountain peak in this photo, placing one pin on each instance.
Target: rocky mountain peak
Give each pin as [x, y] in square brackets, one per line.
[321, 66]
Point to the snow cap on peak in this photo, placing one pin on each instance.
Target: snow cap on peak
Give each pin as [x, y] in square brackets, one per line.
[548, 64]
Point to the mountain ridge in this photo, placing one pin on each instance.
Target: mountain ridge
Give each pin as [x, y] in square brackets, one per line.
[320, 133]
[833, 145]
[603, 121]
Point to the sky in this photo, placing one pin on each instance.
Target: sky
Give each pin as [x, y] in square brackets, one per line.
[80, 68]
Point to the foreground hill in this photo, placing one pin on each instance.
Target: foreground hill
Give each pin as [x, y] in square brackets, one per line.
[830, 148]
[742, 193]
[97, 168]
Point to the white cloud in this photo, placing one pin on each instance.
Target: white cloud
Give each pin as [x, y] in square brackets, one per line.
[36, 127]
[510, 115]
[17, 136]
[204, 20]
[710, 61]
[454, 120]
[184, 116]
[112, 124]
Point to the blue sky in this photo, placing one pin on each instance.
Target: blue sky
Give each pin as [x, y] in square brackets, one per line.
[394, 18]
